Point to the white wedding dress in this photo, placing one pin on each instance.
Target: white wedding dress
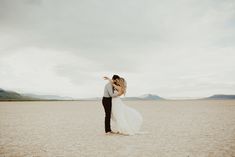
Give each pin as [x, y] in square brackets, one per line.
[126, 119]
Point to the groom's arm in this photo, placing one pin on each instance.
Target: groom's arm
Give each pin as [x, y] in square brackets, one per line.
[110, 91]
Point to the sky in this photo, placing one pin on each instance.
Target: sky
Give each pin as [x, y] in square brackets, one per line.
[175, 49]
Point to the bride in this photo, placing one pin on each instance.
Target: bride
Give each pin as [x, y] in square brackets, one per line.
[126, 119]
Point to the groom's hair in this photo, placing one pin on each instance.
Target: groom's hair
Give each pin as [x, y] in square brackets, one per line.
[115, 77]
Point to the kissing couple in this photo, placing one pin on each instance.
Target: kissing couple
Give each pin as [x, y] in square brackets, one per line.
[126, 119]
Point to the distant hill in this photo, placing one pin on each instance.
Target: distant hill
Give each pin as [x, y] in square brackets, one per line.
[14, 96]
[47, 97]
[145, 97]
[220, 96]
[91, 99]
[10, 95]
[151, 97]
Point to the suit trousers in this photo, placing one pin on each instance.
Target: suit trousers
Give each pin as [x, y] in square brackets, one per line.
[107, 104]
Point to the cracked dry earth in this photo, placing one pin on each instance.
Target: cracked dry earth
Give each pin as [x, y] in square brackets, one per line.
[204, 128]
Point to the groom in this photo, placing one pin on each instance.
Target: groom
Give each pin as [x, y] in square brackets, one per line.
[107, 103]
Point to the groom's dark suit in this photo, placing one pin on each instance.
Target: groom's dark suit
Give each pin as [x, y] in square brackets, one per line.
[107, 103]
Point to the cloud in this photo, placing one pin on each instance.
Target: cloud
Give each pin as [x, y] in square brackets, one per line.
[36, 70]
[157, 45]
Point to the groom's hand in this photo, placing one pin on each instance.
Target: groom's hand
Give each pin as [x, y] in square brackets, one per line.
[106, 78]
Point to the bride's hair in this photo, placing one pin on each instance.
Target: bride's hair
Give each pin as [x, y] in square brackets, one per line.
[122, 83]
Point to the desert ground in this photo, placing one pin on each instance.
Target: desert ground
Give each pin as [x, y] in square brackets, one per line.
[192, 128]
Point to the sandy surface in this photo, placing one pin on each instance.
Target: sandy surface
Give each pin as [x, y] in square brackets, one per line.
[76, 129]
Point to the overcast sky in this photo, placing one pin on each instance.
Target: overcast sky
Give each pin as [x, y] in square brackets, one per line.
[175, 49]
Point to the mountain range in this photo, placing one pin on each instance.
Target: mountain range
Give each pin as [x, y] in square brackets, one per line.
[47, 97]
[144, 97]
[11, 95]
[220, 96]
[6, 95]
